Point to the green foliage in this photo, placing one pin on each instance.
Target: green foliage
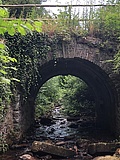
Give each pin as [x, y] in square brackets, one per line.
[7, 61]
[11, 27]
[49, 94]
[5, 92]
[30, 51]
[5, 79]
[3, 143]
[67, 19]
[24, 12]
[107, 22]
[4, 13]
[65, 23]
[77, 95]
[69, 91]
[107, 26]
[19, 26]
[117, 62]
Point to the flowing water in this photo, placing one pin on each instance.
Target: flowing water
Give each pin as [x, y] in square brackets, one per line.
[58, 129]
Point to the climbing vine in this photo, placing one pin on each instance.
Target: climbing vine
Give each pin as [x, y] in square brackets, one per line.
[7, 63]
[30, 51]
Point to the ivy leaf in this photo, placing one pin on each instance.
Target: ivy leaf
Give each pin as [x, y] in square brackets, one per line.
[28, 28]
[38, 26]
[2, 46]
[11, 31]
[21, 30]
[4, 13]
[15, 79]
[4, 80]
[2, 71]
[1, 31]
[12, 59]
[13, 68]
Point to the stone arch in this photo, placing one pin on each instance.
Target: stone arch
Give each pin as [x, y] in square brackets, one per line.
[93, 75]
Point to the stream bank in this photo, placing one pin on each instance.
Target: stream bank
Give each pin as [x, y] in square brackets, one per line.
[75, 133]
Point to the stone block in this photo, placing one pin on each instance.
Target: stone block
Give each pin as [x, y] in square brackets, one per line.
[103, 147]
[51, 149]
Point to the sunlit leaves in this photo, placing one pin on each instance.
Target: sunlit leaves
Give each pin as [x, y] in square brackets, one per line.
[2, 46]
[117, 62]
[4, 13]
[12, 27]
[20, 26]
[7, 62]
[107, 21]
[11, 31]
[15, 79]
[38, 26]
[4, 80]
[21, 30]
[107, 26]
[3, 71]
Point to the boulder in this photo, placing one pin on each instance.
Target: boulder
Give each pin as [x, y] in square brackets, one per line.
[117, 152]
[82, 143]
[47, 121]
[51, 149]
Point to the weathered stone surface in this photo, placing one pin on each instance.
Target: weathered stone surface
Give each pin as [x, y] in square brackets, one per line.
[19, 146]
[27, 157]
[106, 158]
[61, 143]
[103, 147]
[82, 143]
[117, 153]
[51, 149]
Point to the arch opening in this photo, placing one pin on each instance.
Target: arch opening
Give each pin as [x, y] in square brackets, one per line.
[64, 106]
[93, 76]
[69, 90]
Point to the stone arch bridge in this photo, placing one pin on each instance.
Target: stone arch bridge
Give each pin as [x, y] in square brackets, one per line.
[84, 58]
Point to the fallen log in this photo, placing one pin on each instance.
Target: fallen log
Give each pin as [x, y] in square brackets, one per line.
[51, 149]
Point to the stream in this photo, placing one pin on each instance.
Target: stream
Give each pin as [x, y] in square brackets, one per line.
[58, 128]
[74, 132]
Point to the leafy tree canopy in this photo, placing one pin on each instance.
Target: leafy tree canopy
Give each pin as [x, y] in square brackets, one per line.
[24, 12]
